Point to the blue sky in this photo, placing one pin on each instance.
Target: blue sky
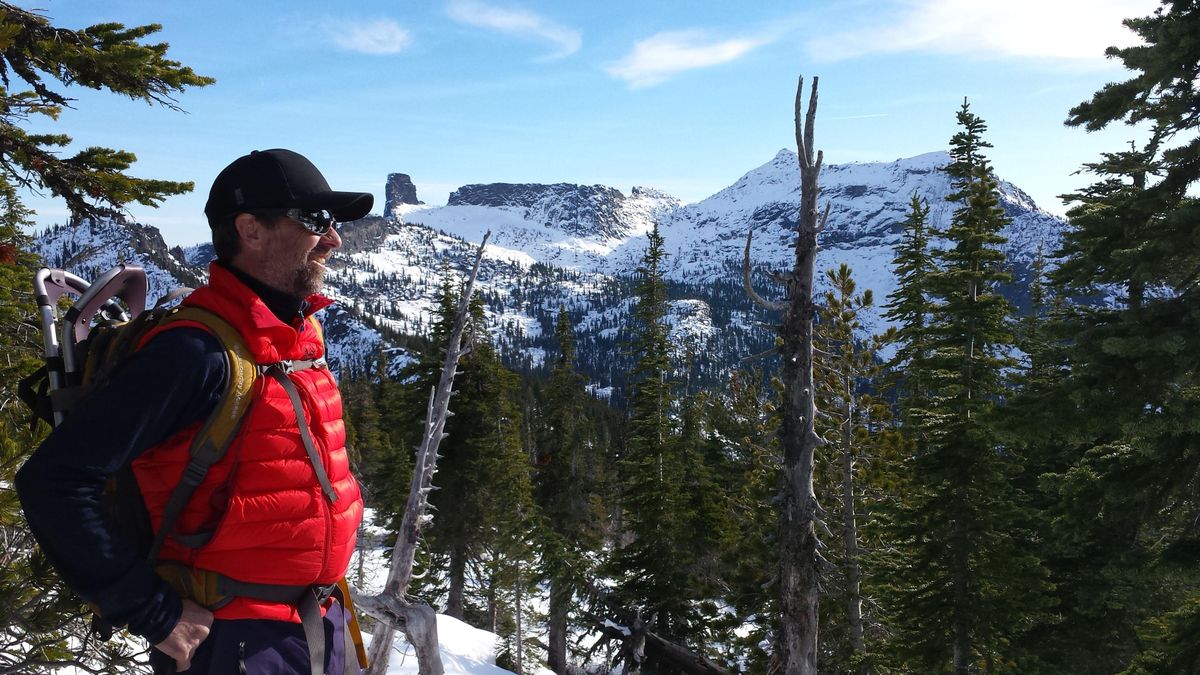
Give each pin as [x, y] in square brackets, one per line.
[679, 96]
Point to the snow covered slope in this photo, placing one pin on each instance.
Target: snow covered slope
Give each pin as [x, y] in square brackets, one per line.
[595, 236]
[577, 247]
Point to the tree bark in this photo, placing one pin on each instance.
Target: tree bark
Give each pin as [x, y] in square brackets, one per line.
[520, 629]
[457, 576]
[418, 621]
[800, 561]
[961, 658]
[851, 565]
[560, 603]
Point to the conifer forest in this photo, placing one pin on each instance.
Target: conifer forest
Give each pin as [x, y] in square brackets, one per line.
[980, 488]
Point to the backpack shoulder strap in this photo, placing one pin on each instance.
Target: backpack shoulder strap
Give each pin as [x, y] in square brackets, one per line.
[316, 325]
[217, 433]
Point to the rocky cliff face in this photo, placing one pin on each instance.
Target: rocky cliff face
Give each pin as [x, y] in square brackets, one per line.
[399, 190]
[593, 211]
[93, 247]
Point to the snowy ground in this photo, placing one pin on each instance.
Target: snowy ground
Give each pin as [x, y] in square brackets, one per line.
[465, 650]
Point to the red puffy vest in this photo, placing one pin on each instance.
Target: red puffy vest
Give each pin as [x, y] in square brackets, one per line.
[273, 524]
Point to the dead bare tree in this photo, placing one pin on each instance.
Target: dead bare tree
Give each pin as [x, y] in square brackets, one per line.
[800, 560]
[391, 608]
[639, 642]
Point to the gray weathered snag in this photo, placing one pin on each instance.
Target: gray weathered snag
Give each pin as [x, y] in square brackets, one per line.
[418, 621]
[801, 564]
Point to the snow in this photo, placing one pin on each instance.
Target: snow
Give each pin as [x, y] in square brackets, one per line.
[624, 631]
[466, 650]
[691, 326]
[96, 246]
[573, 245]
[868, 202]
[602, 393]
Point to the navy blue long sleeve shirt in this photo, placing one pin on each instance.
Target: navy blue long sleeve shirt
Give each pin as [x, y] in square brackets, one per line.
[175, 380]
[172, 382]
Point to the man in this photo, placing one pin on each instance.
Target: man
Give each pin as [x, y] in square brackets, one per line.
[280, 509]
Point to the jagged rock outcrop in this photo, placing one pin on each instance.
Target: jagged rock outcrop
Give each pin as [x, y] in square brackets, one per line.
[399, 190]
[581, 210]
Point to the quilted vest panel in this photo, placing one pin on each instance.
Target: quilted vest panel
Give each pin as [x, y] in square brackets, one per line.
[273, 524]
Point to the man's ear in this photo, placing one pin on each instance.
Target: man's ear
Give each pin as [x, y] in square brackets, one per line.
[252, 232]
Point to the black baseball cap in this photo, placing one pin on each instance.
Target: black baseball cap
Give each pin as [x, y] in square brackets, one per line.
[279, 179]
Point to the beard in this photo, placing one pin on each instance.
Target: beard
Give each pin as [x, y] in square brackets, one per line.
[309, 278]
[301, 275]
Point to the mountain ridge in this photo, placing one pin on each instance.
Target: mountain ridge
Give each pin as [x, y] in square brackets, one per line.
[578, 246]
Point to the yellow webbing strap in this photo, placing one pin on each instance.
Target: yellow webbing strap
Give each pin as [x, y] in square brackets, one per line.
[352, 625]
[312, 320]
[191, 583]
[214, 437]
[223, 423]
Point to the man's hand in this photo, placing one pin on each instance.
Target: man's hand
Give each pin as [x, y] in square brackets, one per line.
[187, 635]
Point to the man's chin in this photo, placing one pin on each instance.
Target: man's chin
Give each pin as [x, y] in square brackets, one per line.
[310, 280]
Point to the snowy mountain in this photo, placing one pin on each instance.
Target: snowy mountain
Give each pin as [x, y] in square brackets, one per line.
[92, 248]
[868, 202]
[577, 247]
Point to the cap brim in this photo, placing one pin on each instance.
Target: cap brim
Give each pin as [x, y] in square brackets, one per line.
[344, 206]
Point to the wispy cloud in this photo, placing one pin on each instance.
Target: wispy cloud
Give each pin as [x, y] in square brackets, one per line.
[518, 23]
[663, 55]
[371, 36]
[1074, 30]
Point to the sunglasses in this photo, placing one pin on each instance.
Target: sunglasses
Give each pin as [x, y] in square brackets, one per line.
[317, 222]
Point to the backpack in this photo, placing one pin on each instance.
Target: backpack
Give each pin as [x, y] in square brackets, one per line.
[106, 324]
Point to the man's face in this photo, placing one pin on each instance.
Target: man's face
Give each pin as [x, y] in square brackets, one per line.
[296, 263]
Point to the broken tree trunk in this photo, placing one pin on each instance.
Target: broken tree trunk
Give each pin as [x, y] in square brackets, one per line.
[639, 643]
[419, 622]
[800, 571]
[800, 560]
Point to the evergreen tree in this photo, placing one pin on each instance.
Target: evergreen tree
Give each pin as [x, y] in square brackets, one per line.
[482, 502]
[1128, 462]
[41, 613]
[45, 621]
[105, 56]
[743, 424]
[909, 308]
[650, 578]
[909, 379]
[707, 525]
[503, 510]
[846, 370]
[675, 510]
[402, 405]
[970, 584]
[566, 489]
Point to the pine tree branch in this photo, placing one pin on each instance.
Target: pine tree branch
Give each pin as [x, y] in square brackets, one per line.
[761, 355]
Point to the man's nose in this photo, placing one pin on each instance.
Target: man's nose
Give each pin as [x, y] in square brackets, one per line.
[331, 238]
